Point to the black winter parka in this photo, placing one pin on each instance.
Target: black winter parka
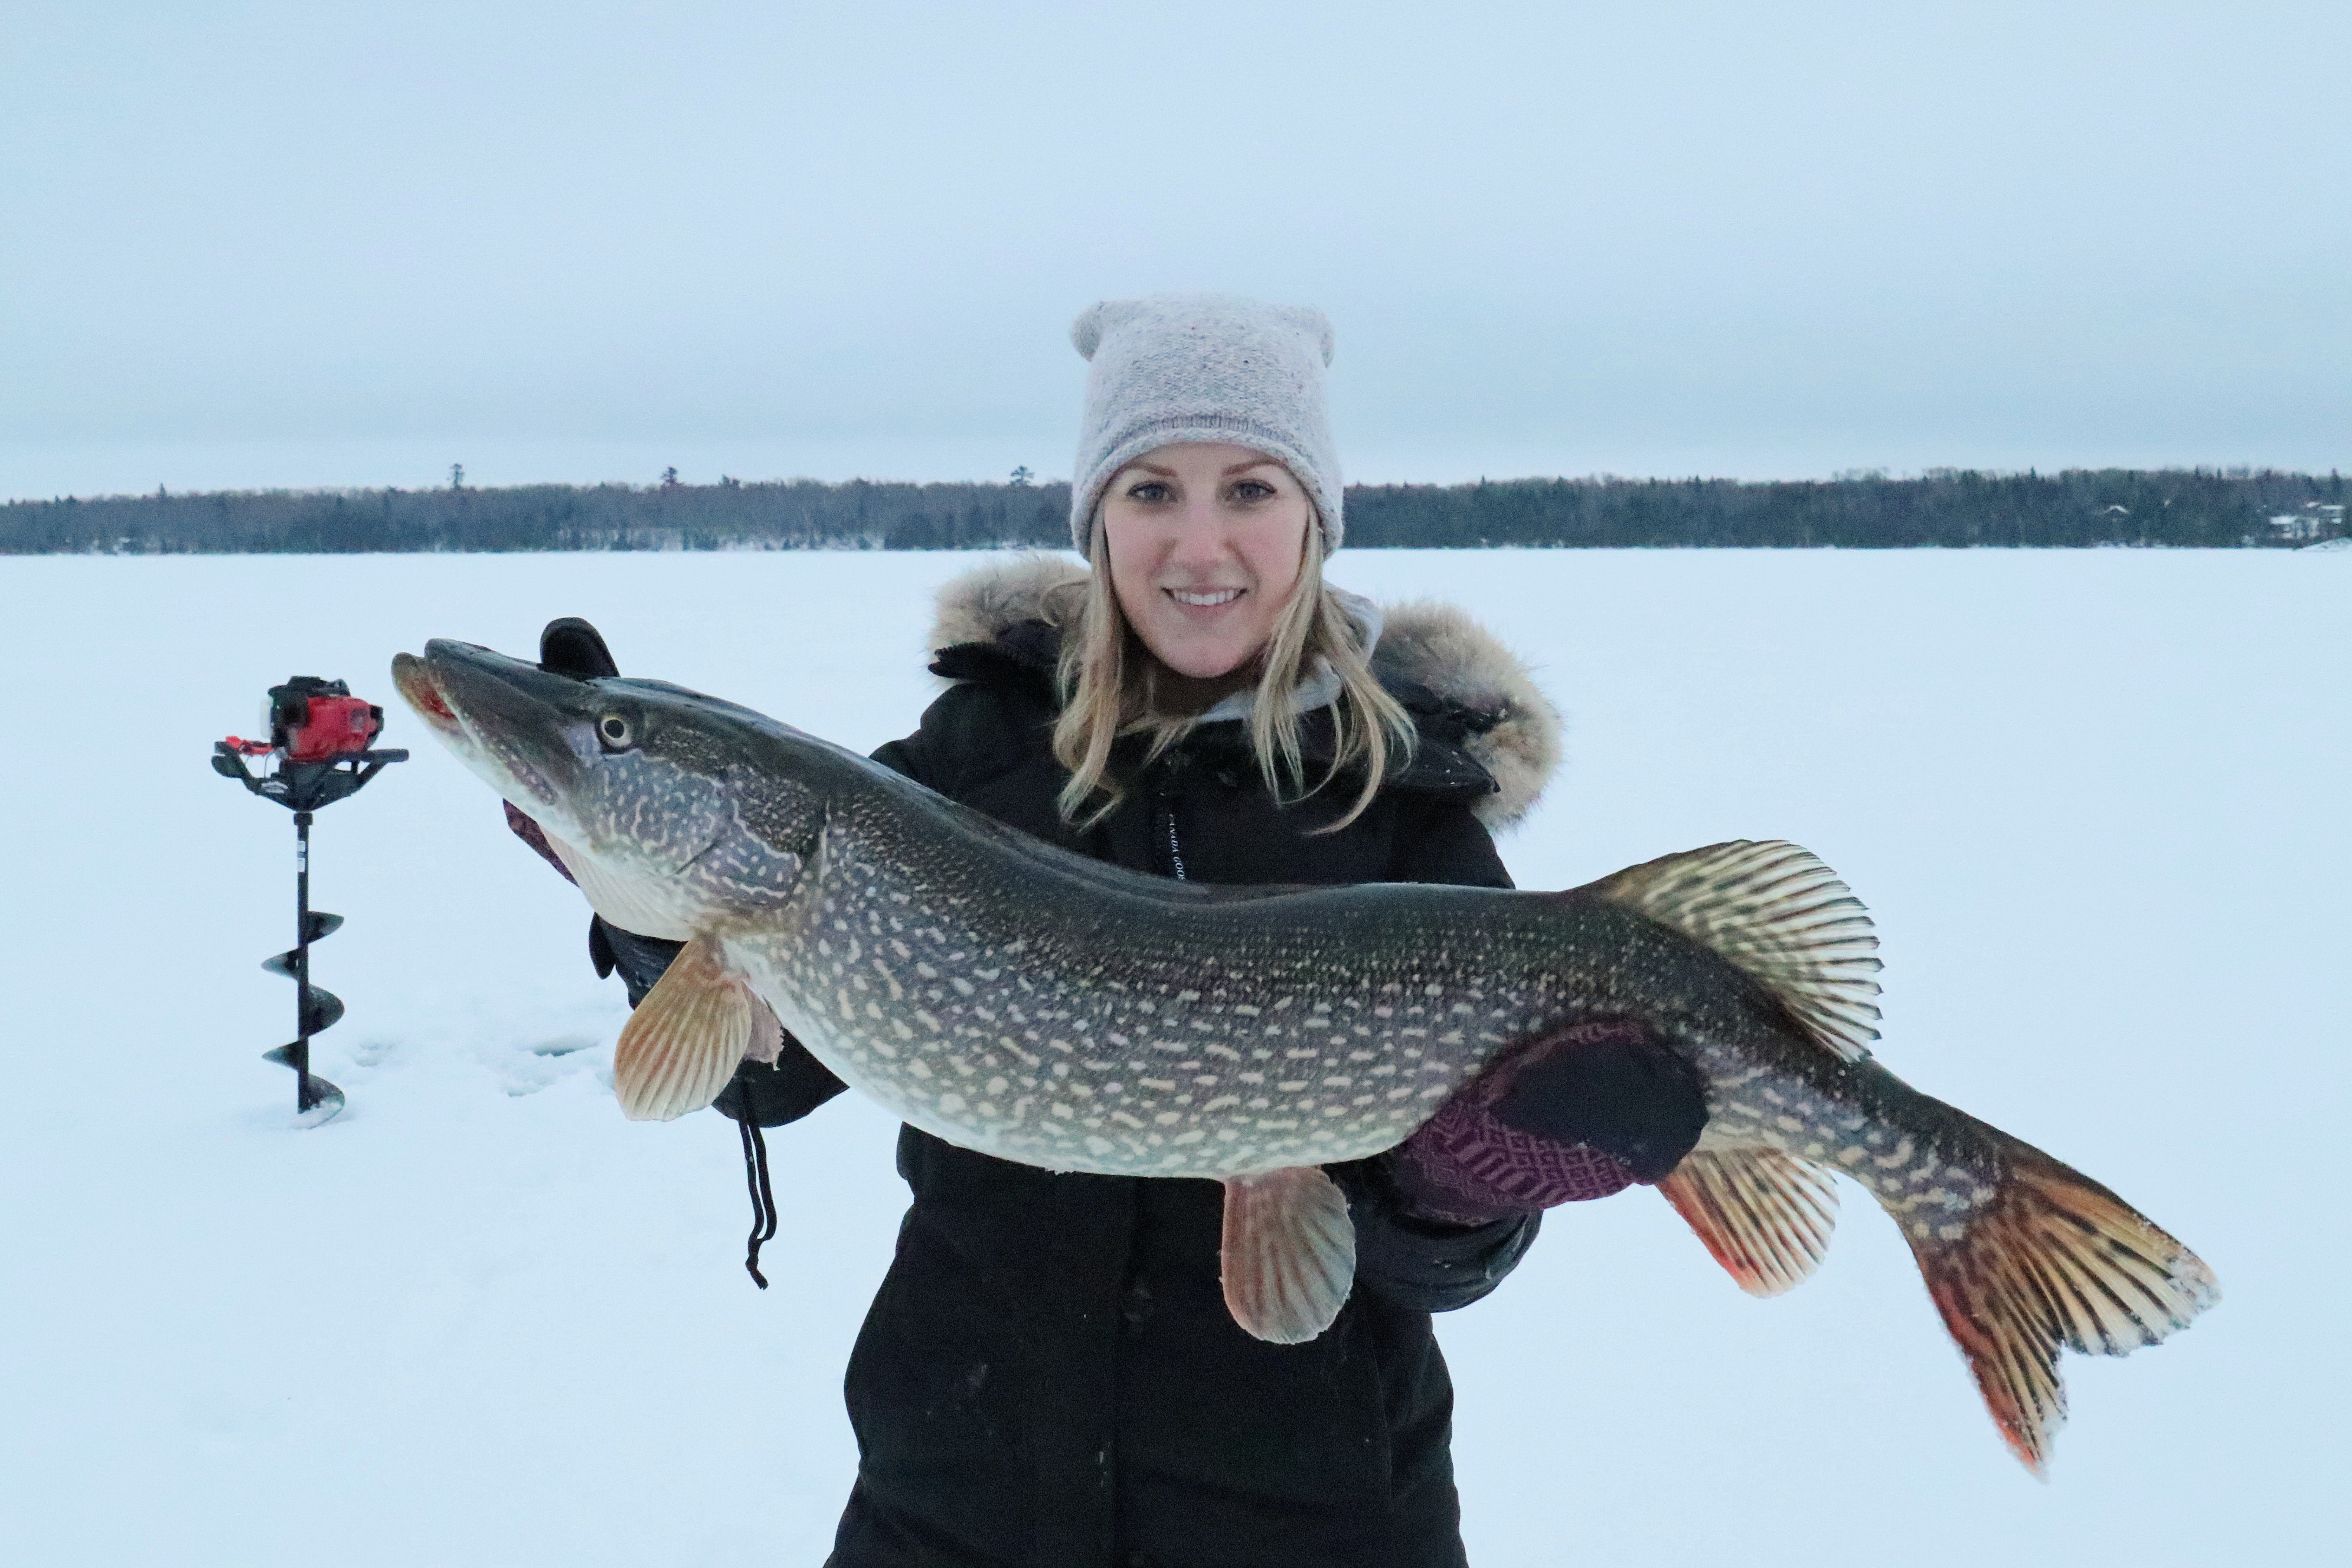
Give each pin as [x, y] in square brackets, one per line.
[1048, 1377]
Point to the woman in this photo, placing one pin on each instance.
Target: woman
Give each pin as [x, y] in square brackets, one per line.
[1049, 1376]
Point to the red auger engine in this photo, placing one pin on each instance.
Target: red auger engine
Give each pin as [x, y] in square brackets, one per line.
[314, 721]
[323, 740]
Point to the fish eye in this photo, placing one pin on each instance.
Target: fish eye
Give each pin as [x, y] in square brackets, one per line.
[615, 733]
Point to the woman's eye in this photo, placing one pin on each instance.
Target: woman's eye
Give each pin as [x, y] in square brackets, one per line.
[614, 731]
[1148, 490]
[1253, 489]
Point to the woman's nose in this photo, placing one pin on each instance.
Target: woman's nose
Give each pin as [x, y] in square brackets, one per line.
[1202, 536]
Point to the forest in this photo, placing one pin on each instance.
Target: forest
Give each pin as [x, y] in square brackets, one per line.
[2203, 508]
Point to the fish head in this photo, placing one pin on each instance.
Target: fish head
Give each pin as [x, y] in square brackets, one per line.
[653, 796]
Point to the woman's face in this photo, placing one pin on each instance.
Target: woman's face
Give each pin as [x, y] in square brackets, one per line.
[1205, 543]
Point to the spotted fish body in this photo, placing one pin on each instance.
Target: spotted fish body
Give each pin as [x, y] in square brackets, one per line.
[1218, 1035]
[1039, 1006]
[1132, 1026]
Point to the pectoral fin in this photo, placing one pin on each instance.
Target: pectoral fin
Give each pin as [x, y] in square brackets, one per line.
[686, 1038]
[1289, 1253]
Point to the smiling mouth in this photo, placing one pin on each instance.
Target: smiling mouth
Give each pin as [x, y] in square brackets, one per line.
[1206, 598]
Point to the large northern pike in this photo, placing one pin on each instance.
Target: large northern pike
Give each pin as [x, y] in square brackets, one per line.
[1040, 1007]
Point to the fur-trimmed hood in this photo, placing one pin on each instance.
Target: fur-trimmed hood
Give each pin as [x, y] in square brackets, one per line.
[1508, 726]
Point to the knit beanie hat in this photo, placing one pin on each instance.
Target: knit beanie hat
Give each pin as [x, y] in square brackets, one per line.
[1203, 367]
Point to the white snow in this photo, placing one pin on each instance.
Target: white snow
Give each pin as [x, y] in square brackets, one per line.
[2095, 799]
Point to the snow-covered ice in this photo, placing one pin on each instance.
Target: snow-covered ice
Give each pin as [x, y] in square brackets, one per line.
[2095, 800]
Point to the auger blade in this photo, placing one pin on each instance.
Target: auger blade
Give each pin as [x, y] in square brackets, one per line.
[325, 1099]
[324, 1009]
[325, 1006]
[317, 926]
[316, 1099]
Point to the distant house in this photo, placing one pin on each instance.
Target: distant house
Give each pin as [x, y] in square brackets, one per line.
[2314, 521]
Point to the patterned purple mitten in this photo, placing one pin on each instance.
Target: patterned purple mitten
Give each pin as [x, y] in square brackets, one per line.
[530, 833]
[1579, 1114]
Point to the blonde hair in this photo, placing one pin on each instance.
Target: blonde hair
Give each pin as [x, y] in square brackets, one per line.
[1109, 683]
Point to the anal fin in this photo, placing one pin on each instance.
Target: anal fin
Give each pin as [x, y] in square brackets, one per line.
[1289, 1253]
[686, 1038]
[1767, 1217]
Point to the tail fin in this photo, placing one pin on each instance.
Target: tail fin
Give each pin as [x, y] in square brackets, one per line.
[2054, 1259]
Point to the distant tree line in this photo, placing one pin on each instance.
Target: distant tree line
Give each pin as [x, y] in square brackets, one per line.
[1944, 508]
[799, 514]
[1950, 507]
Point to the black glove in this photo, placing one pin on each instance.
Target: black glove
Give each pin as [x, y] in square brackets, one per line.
[642, 960]
[769, 1096]
[570, 645]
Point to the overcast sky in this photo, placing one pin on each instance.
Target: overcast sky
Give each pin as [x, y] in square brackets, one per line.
[267, 245]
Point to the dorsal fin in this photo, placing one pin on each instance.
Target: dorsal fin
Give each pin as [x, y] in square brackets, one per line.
[1780, 914]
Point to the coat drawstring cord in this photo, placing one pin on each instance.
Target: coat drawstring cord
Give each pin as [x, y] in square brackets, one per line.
[763, 1198]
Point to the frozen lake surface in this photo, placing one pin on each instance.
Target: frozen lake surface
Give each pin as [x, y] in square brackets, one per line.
[2098, 803]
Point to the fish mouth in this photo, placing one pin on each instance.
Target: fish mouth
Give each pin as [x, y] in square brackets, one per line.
[412, 678]
[510, 722]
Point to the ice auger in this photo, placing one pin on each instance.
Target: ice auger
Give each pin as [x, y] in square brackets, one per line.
[321, 737]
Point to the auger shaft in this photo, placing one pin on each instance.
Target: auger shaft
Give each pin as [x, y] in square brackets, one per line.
[315, 1009]
[307, 1091]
